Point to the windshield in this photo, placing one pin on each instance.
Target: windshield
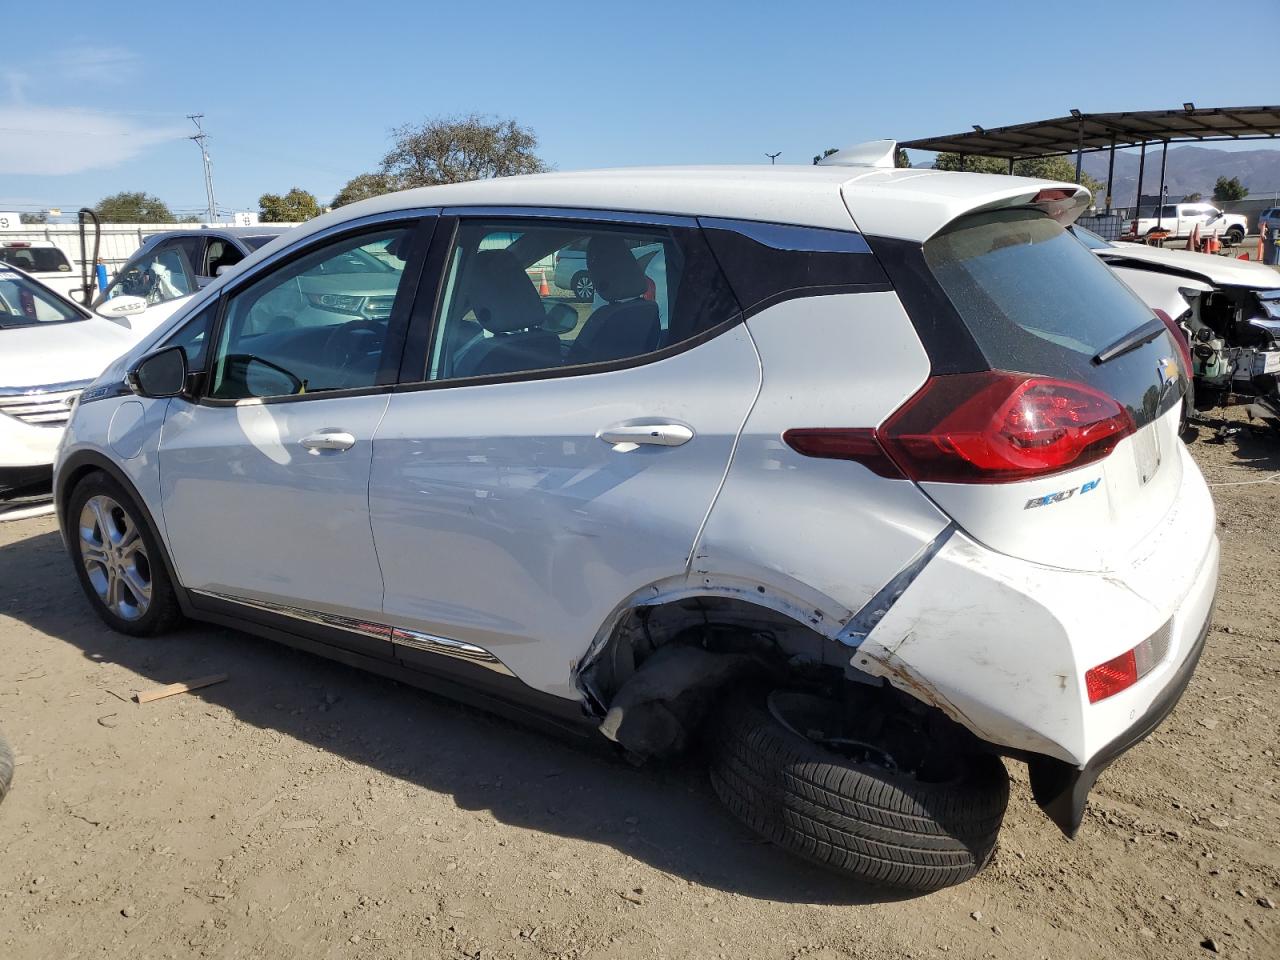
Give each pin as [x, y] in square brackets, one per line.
[253, 243]
[36, 259]
[1270, 301]
[23, 303]
[1090, 239]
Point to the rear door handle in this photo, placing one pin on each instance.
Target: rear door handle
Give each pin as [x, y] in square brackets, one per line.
[328, 440]
[625, 437]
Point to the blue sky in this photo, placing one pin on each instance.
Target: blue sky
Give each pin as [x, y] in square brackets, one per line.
[93, 97]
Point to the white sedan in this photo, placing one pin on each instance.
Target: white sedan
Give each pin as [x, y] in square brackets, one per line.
[49, 349]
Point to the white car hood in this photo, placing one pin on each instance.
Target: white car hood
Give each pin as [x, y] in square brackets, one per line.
[55, 353]
[1221, 271]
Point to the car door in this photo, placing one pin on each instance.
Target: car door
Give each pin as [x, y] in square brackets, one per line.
[557, 456]
[265, 474]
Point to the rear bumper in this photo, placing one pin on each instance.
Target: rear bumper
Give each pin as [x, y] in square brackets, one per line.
[1061, 790]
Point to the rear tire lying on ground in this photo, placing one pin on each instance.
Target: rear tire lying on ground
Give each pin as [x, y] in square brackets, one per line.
[855, 816]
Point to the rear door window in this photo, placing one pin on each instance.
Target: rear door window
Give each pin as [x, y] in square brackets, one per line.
[1036, 301]
[36, 259]
[505, 309]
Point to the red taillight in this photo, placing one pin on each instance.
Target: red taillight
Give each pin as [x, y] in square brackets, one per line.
[994, 427]
[840, 443]
[1180, 338]
[1107, 679]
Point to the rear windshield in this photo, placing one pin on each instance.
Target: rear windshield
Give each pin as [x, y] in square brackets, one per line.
[1037, 301]
[23, 303]
[36, 259]
[253, 243]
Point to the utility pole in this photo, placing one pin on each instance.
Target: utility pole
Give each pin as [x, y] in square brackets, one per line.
[773, 157]
[200, 138]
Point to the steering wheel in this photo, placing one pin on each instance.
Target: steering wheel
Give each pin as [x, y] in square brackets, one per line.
[347, 343]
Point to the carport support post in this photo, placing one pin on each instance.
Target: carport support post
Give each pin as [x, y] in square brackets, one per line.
[1011, 166]
[1163, 156]
[1111, 171]
[1079, 148]
[1137, 205]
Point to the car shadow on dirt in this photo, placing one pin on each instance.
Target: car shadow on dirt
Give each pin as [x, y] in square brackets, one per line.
[663, 815]
[1251, 443]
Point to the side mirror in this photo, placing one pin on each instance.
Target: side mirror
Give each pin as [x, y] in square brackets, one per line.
[162, 374]
[223, 269]
[561, 318]
[122, 306]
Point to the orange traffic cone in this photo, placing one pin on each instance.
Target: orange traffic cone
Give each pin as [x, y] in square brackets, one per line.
[1214, 245]
[1262, 239]
[544, 289]
[1193, 241]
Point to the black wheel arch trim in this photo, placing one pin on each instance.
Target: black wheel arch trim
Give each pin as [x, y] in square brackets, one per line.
[1062, 790]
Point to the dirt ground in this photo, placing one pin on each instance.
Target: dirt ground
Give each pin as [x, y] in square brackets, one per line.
[303, 809]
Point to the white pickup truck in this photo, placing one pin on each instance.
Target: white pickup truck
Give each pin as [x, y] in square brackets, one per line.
[1179, 218]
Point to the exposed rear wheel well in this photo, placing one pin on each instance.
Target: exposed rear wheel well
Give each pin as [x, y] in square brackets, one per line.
[664, 667]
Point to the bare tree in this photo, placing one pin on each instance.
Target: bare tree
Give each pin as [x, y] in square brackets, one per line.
[454, 149]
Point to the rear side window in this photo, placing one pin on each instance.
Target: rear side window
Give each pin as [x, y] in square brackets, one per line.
[509, 306]
[1036, 301]
[36, 259]
[770, 262]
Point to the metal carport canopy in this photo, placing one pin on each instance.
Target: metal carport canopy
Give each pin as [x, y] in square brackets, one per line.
[1101, 131]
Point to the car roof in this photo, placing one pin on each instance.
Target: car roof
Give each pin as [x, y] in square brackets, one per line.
[266, 230]
[907, 203]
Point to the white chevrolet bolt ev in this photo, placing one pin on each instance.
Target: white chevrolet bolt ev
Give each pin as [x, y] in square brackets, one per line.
[881, 485]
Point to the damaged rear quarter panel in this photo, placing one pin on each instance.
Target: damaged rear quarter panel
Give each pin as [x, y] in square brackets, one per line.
[807, 533]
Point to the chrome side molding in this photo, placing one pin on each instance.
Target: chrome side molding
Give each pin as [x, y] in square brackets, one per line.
[414, 639]
[449, 648]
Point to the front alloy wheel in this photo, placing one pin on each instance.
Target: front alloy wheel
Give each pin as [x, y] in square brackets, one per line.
[115, 558]
[118, 559]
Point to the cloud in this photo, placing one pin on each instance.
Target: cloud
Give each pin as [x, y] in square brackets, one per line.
[51, 141]
[98, 65]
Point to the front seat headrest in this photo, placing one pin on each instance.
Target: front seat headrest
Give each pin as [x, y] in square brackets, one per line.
[502, 295]
[617, 274]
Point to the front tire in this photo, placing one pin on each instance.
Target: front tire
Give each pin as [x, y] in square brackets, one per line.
[853, 812]
[1233, 237]
[118, 559]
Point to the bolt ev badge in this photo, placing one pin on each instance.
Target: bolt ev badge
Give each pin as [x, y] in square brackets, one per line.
[1049, 499]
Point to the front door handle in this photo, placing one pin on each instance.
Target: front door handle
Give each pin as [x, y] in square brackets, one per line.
[625, 437]
[328, 440]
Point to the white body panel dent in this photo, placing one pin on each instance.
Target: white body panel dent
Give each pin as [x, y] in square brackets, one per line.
[806, 535]
[1002, 645]
[502, 520]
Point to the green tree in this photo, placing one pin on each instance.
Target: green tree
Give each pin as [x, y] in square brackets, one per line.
[1193, 198]
[127, 207]
[1231, 189]
[824, 154]
[294, 207]
[41, 217]
[363, 187]
[1044, 168]
[455, 149]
